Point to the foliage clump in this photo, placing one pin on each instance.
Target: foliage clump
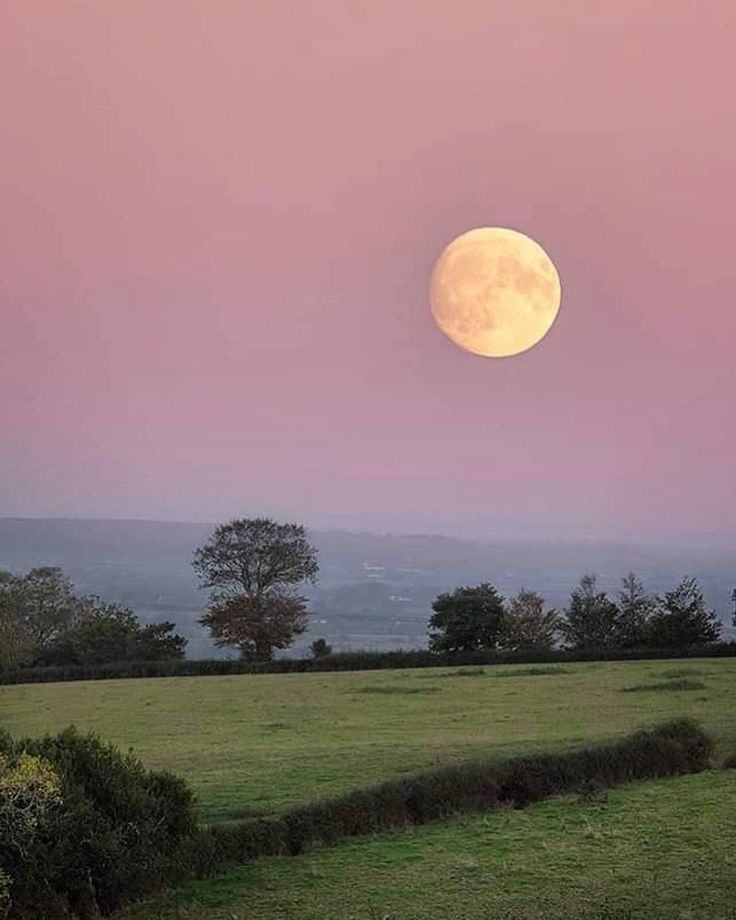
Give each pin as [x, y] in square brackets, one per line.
[84, 828]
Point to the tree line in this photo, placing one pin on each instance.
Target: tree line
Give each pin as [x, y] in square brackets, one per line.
[252, 568]
[43, 622]
[474, 618]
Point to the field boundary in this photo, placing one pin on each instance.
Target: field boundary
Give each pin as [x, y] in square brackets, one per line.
[350, 661]
[669, 749]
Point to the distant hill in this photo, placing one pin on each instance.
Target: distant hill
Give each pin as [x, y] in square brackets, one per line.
[375, 590]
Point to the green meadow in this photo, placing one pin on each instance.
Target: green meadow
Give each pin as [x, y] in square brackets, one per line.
[255, 744]
[657, 850]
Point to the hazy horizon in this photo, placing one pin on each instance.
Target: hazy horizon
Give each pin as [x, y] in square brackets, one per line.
[698, 541]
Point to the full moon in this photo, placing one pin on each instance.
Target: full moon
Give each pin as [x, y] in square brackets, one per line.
[495, 292]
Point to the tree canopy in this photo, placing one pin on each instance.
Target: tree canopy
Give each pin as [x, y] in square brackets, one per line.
[467, 619]
[527, 625]
[682, 618]
[253, 556]
[590, 617]
[635, 609]
[251, 567]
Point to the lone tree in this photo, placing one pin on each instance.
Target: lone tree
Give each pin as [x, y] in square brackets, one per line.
[635, 609]
[591, 617]
[527, 625]
[467, 619]
[682, 619]
[251, 567]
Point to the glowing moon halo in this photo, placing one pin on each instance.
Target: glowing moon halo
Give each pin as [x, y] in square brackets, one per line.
[495, 292]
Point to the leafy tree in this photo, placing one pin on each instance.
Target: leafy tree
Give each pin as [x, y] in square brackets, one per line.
[467, 619]
[635, 608]
[158, 642]
[253, 556]
[16, 643]
[682, 618]
[257, 625]
[42, 604]
[527, 624]
[320, 649]
[251, 567]
[591, 617]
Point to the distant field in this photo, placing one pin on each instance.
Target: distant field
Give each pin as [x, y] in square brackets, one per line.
[255, 744]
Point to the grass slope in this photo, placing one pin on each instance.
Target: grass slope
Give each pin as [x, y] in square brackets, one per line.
[256, 744]
[653, 850]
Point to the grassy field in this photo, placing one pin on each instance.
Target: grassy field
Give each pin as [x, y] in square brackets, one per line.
[661, 850]
[255, 744]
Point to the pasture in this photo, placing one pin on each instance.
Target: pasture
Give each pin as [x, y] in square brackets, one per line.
[254, 744]
[653, 850]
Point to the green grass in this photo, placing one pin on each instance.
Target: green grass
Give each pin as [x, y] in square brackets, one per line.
[254, 744]
[649, 851]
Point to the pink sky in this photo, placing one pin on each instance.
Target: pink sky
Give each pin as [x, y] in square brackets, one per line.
[219, 220]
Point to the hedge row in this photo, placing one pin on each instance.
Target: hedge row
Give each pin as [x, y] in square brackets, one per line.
[120, 832]
[672, 748]
[350, 661]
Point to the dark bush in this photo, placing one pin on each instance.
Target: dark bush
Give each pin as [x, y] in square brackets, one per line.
[111, 838]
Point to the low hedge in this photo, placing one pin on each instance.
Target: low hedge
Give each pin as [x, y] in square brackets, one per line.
[669, 749]
[350, 661]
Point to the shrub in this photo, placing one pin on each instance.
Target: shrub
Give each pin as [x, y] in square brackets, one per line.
[30, 790]
[110, 836]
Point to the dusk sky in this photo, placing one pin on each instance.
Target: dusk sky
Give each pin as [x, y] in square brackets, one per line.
[219, 221]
